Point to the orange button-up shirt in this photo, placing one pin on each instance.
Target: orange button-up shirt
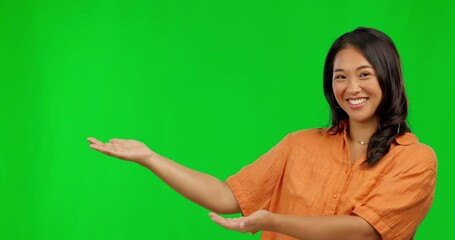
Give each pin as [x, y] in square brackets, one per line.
[309, 174]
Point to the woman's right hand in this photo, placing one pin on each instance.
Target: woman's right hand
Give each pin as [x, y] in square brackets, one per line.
[130, 150]
[198, 187]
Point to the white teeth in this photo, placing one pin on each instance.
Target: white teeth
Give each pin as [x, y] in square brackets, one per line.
[357, 101]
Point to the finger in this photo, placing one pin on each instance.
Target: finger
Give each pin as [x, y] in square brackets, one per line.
[228, 223]
[98, 147]
[222, 222]
[94, 140]
[104, 147]
[219, 218]
[212, 214]
[216, 218]
[111, 147]
[231, 225]
[117, 140]
[106, 150]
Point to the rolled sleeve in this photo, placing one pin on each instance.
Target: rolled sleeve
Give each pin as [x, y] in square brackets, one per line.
[253, 185]
[400, 201]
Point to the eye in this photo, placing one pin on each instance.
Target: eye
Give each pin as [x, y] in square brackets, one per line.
[364, 75]
[339, 77]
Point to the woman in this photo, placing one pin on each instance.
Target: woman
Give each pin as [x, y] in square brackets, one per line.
[365, 177]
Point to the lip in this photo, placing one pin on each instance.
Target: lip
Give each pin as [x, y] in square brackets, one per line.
[359, 105]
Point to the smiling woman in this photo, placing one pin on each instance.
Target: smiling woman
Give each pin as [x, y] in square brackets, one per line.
[356, 87]
[365, 177]
[363, 81]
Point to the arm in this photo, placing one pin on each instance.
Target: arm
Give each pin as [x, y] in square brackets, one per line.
[302, 227]
[203, 189]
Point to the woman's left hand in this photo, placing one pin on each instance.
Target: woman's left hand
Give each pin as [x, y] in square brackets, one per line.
[252, 224]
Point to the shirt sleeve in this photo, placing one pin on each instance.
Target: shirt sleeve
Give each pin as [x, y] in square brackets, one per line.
[402, 198]
[253, 185]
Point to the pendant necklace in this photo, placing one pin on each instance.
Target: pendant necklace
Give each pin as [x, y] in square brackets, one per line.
[359, 142]
[362, 142]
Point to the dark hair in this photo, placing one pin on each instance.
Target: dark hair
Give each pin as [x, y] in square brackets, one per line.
[392, 111]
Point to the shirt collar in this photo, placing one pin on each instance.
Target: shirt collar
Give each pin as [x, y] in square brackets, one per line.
[406, 139]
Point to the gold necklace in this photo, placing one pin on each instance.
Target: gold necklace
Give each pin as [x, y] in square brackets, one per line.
[360, 142]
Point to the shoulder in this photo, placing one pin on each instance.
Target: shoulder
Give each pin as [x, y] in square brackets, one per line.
[310, 134]
[410, 152]
[315, 138]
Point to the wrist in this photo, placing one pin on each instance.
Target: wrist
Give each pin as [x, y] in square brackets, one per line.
[148, 160]
[268, 222]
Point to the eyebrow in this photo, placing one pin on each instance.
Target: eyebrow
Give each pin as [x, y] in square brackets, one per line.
[361, 67]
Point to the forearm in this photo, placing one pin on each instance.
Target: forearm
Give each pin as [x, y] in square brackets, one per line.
[320, 228]
[203, 189]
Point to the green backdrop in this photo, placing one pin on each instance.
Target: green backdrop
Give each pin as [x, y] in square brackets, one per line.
[209, 84]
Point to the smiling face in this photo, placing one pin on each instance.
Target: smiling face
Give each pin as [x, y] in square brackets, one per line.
[355, 85]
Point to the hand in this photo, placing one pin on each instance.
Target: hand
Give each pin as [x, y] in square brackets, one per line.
[130, 150]
[252, 224]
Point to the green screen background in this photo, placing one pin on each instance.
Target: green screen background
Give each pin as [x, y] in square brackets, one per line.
[209, 84]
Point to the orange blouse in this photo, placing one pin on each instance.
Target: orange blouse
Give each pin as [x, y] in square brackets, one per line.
[309, 173]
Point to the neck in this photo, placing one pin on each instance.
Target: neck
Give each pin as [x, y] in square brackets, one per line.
[362, 131]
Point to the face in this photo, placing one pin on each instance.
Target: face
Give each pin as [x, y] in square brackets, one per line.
[356, 86]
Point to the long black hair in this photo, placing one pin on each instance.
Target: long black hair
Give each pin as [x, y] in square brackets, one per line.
[381, 53]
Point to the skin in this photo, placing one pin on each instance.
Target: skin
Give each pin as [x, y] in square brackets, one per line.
[203, 189]
[354, 79]
[301, 227]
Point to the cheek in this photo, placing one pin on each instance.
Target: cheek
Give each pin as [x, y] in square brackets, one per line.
[337, 92]
[374, 89]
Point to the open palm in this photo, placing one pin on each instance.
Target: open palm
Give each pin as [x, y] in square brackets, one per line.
[252, 223]
[130, 150]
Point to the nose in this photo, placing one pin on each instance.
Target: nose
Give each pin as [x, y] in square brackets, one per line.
[353, 86]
